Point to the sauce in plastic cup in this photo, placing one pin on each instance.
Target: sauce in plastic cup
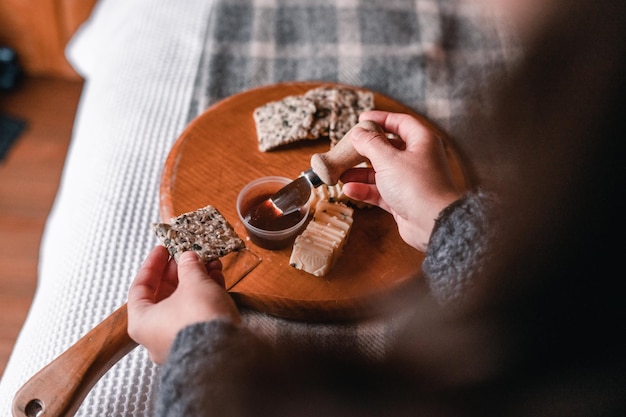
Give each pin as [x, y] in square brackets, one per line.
[269, 229]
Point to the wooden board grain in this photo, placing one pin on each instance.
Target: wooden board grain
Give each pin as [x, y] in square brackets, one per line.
[217, 155]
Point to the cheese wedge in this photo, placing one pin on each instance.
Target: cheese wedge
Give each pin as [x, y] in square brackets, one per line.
[333, 194]
[319, 246]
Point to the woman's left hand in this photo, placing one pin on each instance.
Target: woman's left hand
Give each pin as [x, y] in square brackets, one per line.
[165, 297]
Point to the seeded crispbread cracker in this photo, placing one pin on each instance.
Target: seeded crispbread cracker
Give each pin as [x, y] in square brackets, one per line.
[338, 110]
[284, 121]
[326, 111]
[204, 231]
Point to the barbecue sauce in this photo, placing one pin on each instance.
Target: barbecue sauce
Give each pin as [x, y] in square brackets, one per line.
[261, 213]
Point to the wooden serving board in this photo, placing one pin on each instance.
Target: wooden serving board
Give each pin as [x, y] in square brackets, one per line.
[217, 155]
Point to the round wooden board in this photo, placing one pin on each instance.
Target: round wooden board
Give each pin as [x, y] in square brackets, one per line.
[217, 155]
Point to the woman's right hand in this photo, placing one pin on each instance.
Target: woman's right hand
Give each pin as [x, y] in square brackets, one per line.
[414, 184]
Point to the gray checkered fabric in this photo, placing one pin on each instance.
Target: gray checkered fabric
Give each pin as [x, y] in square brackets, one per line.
[435, 56]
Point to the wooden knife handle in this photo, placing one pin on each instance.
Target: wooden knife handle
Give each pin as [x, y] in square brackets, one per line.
[330, 165]
[60, 387]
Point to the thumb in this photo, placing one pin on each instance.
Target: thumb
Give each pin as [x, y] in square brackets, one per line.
[193, 271]
[190, 268]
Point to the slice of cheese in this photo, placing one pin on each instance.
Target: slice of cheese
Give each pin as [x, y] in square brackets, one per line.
[310, 256]
[335, 237]
[333, 194]
[319, 246]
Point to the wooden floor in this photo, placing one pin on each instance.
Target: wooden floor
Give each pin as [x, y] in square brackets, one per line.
[29, 179]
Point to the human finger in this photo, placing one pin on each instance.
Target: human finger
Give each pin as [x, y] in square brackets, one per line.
[214, 265]
[359, 174]
[205, 284]
[359, 184]
[214, 269]
[406, 126]
[169, 281]
[389, 121]
[374, 146]
[146, 283]
[192, 271]
[189, 264]
[367, 193]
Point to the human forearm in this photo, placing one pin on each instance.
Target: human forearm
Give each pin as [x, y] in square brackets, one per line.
[206, 370]
[459, 245]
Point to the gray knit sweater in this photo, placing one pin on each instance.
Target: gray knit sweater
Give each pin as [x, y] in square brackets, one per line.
[216, 368]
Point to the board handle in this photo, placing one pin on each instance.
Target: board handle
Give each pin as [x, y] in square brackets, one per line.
[60, 387]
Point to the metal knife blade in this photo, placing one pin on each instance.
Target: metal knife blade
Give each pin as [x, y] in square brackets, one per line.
[325, 169]
[296, 194]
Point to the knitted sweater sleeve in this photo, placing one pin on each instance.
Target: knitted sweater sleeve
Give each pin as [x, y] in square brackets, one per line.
[459, 246]
[207, 364]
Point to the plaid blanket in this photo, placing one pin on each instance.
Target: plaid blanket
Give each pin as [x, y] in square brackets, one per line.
[435, 56]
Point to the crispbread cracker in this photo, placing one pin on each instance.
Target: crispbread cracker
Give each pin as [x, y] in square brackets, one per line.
[284, 121]
[338, 109]
[326, 111]
[204, 231]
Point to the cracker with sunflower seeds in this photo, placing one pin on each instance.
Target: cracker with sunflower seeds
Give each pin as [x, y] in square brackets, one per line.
[327, 111]
[337, 110]
[284, 121]
[204, 231]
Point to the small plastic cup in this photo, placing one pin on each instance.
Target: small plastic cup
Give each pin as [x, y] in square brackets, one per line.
[271, 231]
